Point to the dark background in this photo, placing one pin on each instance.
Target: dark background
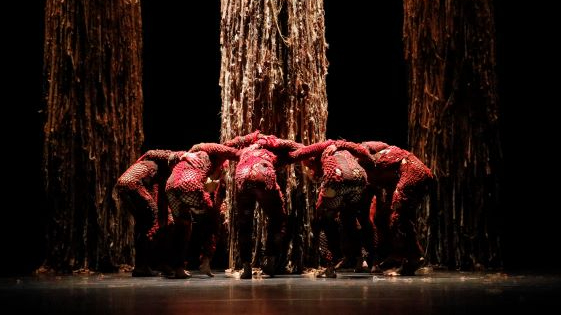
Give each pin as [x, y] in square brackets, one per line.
[367, 101]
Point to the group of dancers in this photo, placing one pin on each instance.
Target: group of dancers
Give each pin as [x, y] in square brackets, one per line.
[366, 205]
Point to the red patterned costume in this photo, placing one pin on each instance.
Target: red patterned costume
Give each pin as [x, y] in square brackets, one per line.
[256, 182]
[141, 188]
[195, 176]
[399, 181]
[171, 189]
[341, 208]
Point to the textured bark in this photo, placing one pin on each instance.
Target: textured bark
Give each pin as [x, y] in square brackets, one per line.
[273, 79]
[453, 127]
[93, 130]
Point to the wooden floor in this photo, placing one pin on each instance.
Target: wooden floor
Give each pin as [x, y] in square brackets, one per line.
[434, 292]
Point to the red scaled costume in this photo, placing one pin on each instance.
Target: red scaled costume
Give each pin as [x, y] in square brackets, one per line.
[256, 182]
[341, 208]
[399, 181]
[195, 176]
[141, 188]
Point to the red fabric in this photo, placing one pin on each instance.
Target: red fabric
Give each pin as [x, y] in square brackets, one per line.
[256, 181]
[342, 187]
[243, 141]
[404, 178]
[142, 185]
[256, 169]
[160, 177]
[187, 192]
[185, 186]
[343, 176]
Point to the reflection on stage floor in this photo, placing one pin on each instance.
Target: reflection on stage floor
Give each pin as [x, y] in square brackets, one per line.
[435, 292]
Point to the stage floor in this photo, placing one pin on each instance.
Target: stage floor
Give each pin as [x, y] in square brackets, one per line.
[435, 292]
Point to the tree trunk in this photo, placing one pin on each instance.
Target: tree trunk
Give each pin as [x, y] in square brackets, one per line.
[273, 79]
[453, 127]
[93, 129]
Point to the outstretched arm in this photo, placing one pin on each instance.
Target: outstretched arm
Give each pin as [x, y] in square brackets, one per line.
[156, 155]
[309, 151]
[243, 141]
[216, 149]
[273, 143]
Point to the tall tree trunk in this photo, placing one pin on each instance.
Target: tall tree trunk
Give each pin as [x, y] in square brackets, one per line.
[273, 79]
[453, 127]
[93, 129]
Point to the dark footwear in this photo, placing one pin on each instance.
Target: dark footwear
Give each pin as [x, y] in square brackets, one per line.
[144, 272]
[410, 266]
[166, 271]
[247, 272]
[268, 266]
[180, 273]
[329, 272]
[205, 267]
[361, 266]
[389, 263]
